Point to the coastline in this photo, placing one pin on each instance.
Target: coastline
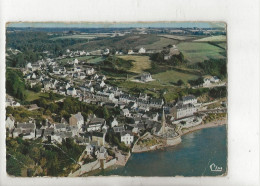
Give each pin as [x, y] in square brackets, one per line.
[124, 159]
[206, 125]
[184, 132]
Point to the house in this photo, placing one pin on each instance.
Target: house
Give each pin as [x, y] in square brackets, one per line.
[71, 91]
[76, 120]
[119, 129]
[143, 96]
[125, 112]
[16, 132]
[127, 138]
[145, 77]
[214, 79]
[27, 129]
[141, 51]
[99, 137]
[126, 98]
[156, 103]
[9, 122]
[48, 133]
[106, 52]
[90, 71]
[104, 96]
[38, 133]
[206, 82]
[114, 123]
[101, 153]
[130, 52]
[89, 149]
[183, 110]
[95, 124]
[59, 127]
[29, 66]
[190, 99]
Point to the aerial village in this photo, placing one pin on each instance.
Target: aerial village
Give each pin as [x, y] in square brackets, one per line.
[144, 123]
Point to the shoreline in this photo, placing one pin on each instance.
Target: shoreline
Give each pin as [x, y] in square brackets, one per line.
[203, 126]
[161, 146]
[186, 131]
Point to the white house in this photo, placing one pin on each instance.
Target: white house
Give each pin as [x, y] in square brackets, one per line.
[90, 71]
[114, 123]
[145, 77]
[206, 82]
[89, 149]
[71, 91]
[214, 79]
[29, 65]
[142, 51]
[95, 124]
[125, 112]
[127, 138]
[9, 123]
[130, 52]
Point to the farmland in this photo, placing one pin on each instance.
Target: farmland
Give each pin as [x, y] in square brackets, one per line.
[158, 45]
[220, 38]
[198, 52]
[176, 37]
[172, 76]
[81, 36]
[140, 63]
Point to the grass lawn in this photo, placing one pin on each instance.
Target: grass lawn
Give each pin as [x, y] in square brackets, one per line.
[172, 76]
[198, 52]
[140, 63]
[31, 96]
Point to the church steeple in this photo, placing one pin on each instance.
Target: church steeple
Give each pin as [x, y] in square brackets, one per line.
[163, 122]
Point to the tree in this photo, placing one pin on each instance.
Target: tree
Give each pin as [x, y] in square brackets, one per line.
[106, 113]
[180, 82]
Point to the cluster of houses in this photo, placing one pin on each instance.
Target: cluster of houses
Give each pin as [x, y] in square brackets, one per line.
[142, 112]
[209, 80]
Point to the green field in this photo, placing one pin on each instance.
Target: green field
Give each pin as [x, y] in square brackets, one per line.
[220, 38]
[198, 52]
[81, 36]
[80, 58]
[158, 45]
[31, 96]
[140, 63]
[95, 60]
[176, 37]
[172, 76]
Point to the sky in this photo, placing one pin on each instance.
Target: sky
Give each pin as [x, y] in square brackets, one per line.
[119, 25]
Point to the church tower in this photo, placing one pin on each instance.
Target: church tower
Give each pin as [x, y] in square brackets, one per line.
[163, 123]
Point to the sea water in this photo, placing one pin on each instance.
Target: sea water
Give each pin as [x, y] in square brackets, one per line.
[201, 153]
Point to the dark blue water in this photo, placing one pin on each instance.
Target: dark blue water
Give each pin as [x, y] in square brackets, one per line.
[192, 157]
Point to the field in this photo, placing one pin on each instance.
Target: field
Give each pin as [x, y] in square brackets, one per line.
[220, 38]
[172, 76]
[140, 63]
[81, 36]
[198, 52]
[158, 45]
[31, 96]
[176, 37]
